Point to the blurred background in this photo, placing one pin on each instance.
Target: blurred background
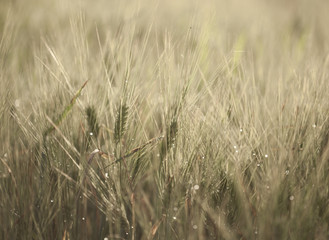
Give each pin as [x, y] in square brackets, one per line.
[273, 31]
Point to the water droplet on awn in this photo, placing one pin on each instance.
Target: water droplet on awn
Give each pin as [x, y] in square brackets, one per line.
[17, 102]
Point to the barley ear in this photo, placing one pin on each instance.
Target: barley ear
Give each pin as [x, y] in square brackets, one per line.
[120, 122]
[66, 110]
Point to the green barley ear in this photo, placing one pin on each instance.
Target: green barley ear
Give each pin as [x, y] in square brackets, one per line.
[66, 110]
[92, 120]
[120, 122]
[172, 133]
[140, 164]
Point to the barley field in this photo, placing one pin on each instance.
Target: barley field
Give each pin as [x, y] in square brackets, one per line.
[164, 119]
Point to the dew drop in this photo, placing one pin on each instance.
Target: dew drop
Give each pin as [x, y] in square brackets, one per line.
[83, 219]
[266, 156]
[51, 200]
[91, 133]
[196, 187]
[107, 175]
[174, 218]
[17, 102]
[291, 198]
[258, 164]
